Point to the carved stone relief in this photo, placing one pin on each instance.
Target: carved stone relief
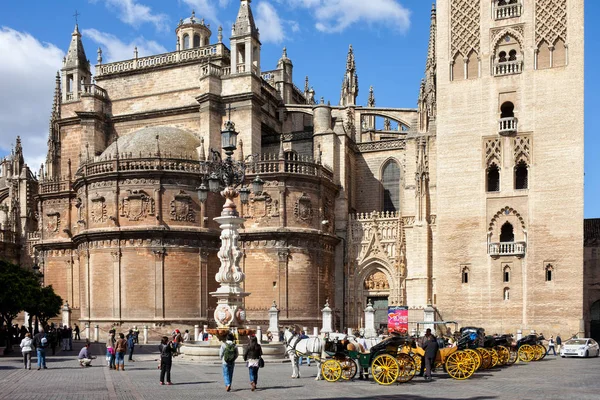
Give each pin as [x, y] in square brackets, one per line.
[377, 281]
[303, 210]
[465, 26]
[98, 209]
[137, 205]
[264, 207]
[53, 221]
[550, 21]
[182, 208]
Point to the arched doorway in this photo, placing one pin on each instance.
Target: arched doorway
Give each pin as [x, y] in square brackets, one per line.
[595, 320]
[377, 291]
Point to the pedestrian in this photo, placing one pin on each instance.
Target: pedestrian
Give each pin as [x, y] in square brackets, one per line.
[77, 337]
[26, 349]
[85, 356]
[130, 345]
[65, 336]
[551, 345]
[252, 355]
[70, 330]
[431, 348]
[558, 343]
[422, 342]
[228, 353]
[166, 358]
[40, 342]
[136, 335]
[186, 336]
[177, 340]
[120, 350]
[110, 349]
[54, 338]
[303, 335]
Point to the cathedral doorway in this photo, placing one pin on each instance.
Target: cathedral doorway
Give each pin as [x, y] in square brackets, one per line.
[595, 320]
[380, 304]
[377, 291]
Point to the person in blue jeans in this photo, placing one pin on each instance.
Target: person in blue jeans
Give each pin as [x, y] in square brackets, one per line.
[228, 353]
[40, 342]
[252, 356]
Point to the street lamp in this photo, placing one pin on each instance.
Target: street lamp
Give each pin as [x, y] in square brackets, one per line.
[228, 176]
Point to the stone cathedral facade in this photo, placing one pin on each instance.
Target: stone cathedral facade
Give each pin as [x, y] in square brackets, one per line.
[471, 202]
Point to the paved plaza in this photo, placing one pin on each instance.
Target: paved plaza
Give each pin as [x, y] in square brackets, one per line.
[553, 378]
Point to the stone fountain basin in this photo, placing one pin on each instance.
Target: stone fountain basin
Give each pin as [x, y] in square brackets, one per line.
[205, 351]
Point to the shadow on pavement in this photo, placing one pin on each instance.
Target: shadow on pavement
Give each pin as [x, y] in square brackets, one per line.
[409, 397]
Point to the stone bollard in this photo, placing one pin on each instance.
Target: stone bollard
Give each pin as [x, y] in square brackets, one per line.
[305, 330]
[145, 334]
[197, 336]
[315, 331]
[350, 333]
[429, 316]
[370, 331]
[327, 322]
[87, 331]
[66, 314]
[96, 333]
[274, 322]
[519, 334]
[259, 334]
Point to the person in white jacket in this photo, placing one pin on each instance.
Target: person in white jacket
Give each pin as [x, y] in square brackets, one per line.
[26, 349]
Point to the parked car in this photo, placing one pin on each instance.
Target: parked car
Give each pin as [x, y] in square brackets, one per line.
[584, 347]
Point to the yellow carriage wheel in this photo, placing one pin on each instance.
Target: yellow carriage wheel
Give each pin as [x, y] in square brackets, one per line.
[460, 365]
[418, 360]
[543, 350]
[526, 353]
[503, 355]
[331, 370]
[476, 357]
[407, 367]
[385, 369]
[495, 358]
[486, 358]
[348, 368]
[513, 356]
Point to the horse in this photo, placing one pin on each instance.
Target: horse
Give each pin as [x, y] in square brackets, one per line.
[296, 347]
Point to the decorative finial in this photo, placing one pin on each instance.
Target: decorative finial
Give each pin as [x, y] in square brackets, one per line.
[284, 55]
[157, 146]
[322, 100]
[220, 35]
[135, 52]
[306, 84]
[76, 15]
[202, 155]
[241, 150]
[193, 16]
[281, 152]
[99, 55]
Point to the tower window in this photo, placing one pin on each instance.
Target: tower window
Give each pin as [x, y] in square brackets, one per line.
[506, 293]
[521, 175]
[506, 274]
[549, 272]
[502, 57]
[186, 41]
[391, 186]
[465, 275]
[196, 40]
[507, 233]
[493, 178]
[507, 110]
[512, 55]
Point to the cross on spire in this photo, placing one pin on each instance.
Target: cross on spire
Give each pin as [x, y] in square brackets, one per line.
[76, 15]
[229, 109]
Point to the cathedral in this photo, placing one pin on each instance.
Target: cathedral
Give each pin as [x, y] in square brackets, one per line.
[470, 204]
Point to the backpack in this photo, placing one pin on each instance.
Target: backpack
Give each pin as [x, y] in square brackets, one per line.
[44, 341]
[229, 354]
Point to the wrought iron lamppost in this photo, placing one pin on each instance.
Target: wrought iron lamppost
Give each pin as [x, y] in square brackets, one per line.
[227, 176]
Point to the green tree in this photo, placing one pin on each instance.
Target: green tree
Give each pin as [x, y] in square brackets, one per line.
[44, 304]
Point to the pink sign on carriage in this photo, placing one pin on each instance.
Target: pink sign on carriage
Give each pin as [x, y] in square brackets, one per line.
[398, 319]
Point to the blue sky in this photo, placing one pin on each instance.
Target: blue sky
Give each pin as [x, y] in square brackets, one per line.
[389, 38]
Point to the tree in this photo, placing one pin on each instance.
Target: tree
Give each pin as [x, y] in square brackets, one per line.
[44, 304]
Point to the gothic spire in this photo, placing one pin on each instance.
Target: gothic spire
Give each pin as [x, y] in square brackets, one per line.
[244, 23]
[76, 57]
[371, 101]
[428, 93]
[350, 81]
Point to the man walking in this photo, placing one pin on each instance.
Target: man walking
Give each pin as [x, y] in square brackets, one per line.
[40, 342]
[77, 332]
[65, 336]
[422, 342]
[551, 345]
[431, 348]
[130, 344]
[558, 343]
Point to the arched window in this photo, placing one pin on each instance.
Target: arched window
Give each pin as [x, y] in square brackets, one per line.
[507, 110]
[186, 41]
[391, 186]
[493, 178]
[196, 40]
[465, 275]
[521, 175]
[506, 274]
[506, 293]
[502, 56]
[507, 233]
[549, 273]
[512, 55]
[205, 42]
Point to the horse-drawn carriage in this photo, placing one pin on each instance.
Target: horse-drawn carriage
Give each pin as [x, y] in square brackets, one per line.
[385, 360]
[530, 348]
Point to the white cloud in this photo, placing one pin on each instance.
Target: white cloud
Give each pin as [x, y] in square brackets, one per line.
[206, 8]
[27, 79]
[269, 24]
[113, 49]
[135, 14]
[337, 15]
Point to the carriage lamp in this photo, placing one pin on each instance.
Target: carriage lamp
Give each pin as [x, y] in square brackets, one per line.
[202, 192]
[257, 185]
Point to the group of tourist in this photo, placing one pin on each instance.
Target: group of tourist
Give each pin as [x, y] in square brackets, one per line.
[228, 353]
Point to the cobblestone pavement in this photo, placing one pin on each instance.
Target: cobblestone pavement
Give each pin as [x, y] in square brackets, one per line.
[552, 378]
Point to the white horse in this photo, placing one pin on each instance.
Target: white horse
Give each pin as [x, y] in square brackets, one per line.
[296, 347]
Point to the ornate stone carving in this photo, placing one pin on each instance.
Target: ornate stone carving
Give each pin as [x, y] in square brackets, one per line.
[137, 205]
[522, 149]
[550, 21]
[182, 208]
[283, 255]
[395, 144]
[465, 22]
[493, 151]
[377, 281]
[53, 221]
[264, 206]
[303, 210]
[98, 209]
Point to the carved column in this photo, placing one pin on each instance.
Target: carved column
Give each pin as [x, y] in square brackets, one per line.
[69, 277]
[203, 284]
[282, 205]
[88, 294]
[76, 303]
[283, 256]
[159, 282]
[116, 256]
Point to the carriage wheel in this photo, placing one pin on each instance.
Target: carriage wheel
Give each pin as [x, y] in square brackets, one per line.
[348, 368]
[331, 370]
[460, 365]
[526, 353]
[418, 360]
[495, 357]
[486, 358]
[385, 369]
[513, 356]
[476, 357]
[407, 366]
[544, 351]
[503, 354]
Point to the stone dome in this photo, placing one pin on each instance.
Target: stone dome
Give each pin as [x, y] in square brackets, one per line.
[172, 142]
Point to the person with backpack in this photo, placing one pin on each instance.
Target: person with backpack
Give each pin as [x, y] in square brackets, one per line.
[130, 344]
[228, 353]
[110, 349]
[252, 355]
[40, 342]
[166, 349]
[120, 350]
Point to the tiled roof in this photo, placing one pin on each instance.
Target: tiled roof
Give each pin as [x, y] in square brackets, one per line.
[591, 232]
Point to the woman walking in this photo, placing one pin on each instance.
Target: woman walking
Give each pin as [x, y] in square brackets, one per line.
[110, 349]
[228, 353]
[252, 356]
[121, 349]
[166, 349]
[26, 350]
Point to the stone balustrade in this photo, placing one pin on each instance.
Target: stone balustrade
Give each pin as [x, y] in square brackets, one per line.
[507, 249]
[375, 215]
[94, 91]
[507, 125]
[7, 236]
[139, 164]
[300, 165]
[508, 68]
[141, 63]
[508, 11]
[54, 186]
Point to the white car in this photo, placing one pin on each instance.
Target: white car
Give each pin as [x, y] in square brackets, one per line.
[584, 347]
